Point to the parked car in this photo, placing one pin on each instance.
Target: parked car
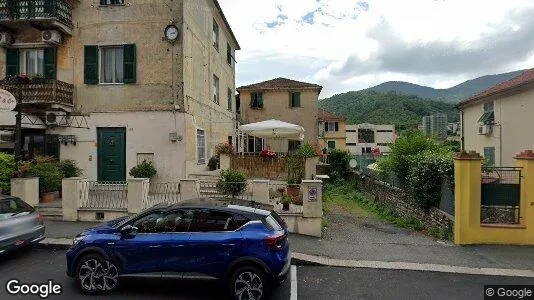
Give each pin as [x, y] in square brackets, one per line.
[245, 248]
[20, 224]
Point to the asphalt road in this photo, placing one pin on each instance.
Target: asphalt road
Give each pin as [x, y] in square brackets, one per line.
[367, 284]
[39, 265]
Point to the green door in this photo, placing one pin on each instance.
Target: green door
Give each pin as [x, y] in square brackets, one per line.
[111, 154]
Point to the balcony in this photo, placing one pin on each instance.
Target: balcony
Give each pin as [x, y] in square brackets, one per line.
[41, 14]
[41, 93]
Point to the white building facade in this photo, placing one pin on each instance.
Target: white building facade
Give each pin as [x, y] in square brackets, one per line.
[363, 138]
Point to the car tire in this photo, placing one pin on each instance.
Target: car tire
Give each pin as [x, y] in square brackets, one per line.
[249, 281]
[96, 275]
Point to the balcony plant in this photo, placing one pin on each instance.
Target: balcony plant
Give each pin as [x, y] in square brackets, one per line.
[267, 153]
[232, 182]
[224, 148]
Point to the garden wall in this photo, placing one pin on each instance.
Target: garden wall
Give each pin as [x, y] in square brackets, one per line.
[260, 167]
[402, 204]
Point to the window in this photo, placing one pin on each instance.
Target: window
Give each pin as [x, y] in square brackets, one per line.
[215, 35]
[331, 144]
[351, 144]
[384, 144]
[351, 130]
[228, 54]
[13, 205]
[215, 89]
[384, 131]
[213, 220]
[488, 107]
[35, 61]
[201, 146]
[366, 136]
[230, 99]
[111, 2]
[32, 61]
[175, 221]
[293, 146]
[256, 100]
[111, 65]
[331, 126]
[149, 223]
[489, 156]
[294, 99]
[366, 150]
[488, 116]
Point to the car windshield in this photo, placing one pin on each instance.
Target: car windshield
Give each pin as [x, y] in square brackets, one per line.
[12, 206]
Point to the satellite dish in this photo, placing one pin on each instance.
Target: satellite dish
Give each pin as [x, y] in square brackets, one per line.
[353, 163]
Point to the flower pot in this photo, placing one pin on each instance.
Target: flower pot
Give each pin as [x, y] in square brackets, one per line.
[48, 197]
[285, 206]
[294, 193]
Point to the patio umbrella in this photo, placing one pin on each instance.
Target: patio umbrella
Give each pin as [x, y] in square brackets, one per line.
[274, 129]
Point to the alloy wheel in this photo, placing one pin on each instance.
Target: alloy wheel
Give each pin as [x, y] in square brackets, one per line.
[248, 286]
[96, 276]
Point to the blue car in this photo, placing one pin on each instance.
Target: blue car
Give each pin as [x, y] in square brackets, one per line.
[245, 248]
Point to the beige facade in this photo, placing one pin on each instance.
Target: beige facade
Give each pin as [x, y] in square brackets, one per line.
[509, 133]
[332, 131]
[277, 105]
[174, 86]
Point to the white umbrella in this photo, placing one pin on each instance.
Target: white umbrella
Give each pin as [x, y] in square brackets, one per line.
[274, 129]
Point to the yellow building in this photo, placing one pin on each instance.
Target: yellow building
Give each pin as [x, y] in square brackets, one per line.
[280, 99]
[332, 131]
[115, 84]
[498, 122]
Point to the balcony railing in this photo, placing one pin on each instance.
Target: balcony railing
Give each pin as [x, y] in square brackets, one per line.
[34, 10]
[40, 91]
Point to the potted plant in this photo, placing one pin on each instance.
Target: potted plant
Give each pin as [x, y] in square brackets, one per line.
[267, 153]
[50, 176]
[143, 170]
[286, 201]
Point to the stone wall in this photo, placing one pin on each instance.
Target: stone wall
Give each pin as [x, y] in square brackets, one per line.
[402, 204]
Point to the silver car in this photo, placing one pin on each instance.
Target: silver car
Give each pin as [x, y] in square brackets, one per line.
[20, 224]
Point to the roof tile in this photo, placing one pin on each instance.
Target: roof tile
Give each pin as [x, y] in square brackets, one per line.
[280, 83]
[329, 116]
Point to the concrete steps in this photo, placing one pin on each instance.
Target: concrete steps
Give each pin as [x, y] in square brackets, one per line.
[51, 211]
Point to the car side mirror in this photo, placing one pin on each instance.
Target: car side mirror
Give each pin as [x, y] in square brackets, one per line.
[128, 230]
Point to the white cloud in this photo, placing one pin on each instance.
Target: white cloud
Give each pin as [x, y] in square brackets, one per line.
[346, 31]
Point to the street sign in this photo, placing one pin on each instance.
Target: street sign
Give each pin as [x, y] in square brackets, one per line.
[7, 101]
[312, 193]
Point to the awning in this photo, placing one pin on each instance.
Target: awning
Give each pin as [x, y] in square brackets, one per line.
[487, 117]
[274, 129]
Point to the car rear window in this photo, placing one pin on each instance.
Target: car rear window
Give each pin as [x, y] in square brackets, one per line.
[272, 223]
[14, 205]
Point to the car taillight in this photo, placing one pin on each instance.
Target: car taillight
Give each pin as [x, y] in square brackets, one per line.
[276, 242]
[40, 218]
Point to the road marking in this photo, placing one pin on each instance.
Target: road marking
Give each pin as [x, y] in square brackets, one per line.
[410, 266]
[293, 282]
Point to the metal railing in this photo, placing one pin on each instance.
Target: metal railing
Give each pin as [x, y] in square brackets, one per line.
[40, 91]
[500, 195]
[164, 192]
[231, 190]
[60, 10]
[106, 195]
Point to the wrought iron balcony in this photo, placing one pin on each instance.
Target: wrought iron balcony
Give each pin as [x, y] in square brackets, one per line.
[42, 93]
[47, 14]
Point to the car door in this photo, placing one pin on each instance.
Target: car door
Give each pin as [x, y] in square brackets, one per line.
[143, 251]
[19, 224]
[176, 227]
[214, 242]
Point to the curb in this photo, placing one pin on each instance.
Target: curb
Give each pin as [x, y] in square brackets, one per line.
[408, 266]
[54, 244]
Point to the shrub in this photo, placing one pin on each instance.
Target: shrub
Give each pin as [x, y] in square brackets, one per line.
[143, 170]
[69, 168]
[295, 169]
[428, 170]
[232, 182]
[307, 151]
[224, 148]
[7, 170]
[49, 174]
[213, 163]
[339, 164]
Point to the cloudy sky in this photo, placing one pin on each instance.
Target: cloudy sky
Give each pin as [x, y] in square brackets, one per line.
[349, 45]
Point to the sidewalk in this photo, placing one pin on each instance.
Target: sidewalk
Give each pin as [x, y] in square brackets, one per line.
[365, 240]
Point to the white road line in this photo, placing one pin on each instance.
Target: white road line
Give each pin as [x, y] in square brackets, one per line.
[293, 283]
[411, 266]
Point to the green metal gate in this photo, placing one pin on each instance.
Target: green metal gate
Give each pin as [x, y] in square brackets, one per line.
[500, 195]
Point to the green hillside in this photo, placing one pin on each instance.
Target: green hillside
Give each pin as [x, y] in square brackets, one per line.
[404, 111]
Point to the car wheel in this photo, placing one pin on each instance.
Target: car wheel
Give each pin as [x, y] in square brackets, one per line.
[96, 275]
[248, 283]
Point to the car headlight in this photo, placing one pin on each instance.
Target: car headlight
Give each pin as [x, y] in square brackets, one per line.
[77, 239]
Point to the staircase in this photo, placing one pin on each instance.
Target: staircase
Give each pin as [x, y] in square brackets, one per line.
[52, 211]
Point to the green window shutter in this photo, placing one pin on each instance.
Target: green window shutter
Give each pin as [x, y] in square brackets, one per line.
[90, 75]
[260, 100]
[50, 63]
[290, 99]
[297, 99]
[337, 126]
[129, 64]
[12, 62]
